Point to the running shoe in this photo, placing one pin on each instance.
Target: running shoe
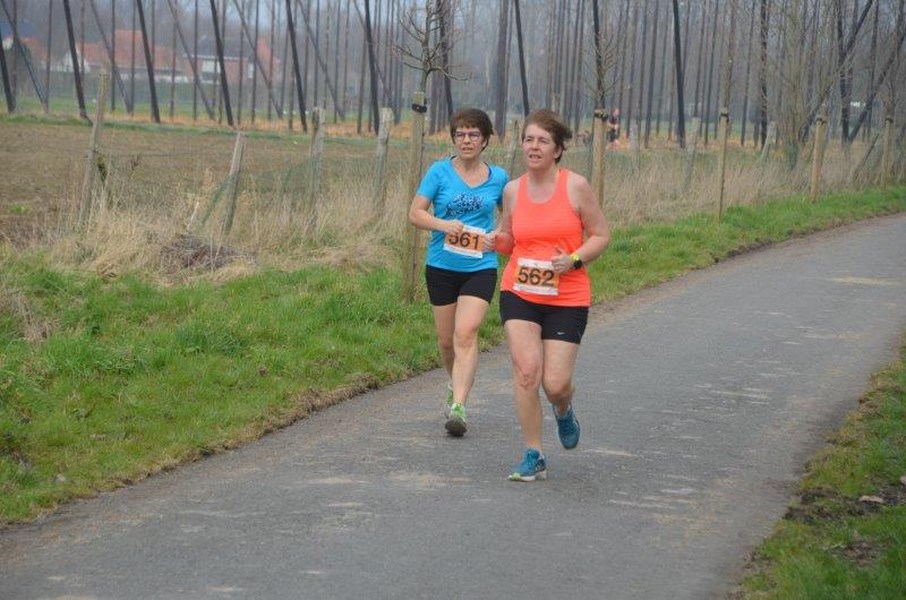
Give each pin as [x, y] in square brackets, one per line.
[456, 422]
[448, 401]
[567, 428]
[533, 467]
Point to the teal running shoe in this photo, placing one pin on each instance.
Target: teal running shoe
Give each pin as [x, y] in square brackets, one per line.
[567, 428]
[456, 422]
[533, 467]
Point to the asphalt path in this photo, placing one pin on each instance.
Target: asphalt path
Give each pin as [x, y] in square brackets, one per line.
[700, 402]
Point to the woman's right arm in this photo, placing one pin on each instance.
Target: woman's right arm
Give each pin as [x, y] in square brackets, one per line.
[501, 238]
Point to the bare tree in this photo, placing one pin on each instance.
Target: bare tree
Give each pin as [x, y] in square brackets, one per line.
[678, 63]
[502, 68]
[77, 76]
[424, 49]
[372, 68]
[225, 87]
[297, 74]
[520, 46]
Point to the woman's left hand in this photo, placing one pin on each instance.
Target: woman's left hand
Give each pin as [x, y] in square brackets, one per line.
[562, 262]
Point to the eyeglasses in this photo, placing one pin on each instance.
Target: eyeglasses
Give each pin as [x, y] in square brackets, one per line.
[472, 135]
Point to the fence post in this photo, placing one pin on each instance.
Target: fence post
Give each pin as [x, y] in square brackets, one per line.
[635, 147]
[722, 161]
[887, 156]
[411, 250]
[515, 136]
[380, 168]
[818, 156]
[691, 146]
[86, 199]
[599, 143]
[235, 167]
[314, 173]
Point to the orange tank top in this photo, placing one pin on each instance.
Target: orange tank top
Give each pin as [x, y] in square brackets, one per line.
[539, 228]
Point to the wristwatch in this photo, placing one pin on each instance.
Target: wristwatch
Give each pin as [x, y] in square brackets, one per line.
[577, 260]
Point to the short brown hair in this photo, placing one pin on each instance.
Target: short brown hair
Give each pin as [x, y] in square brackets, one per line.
[552, 123]
[472, 117]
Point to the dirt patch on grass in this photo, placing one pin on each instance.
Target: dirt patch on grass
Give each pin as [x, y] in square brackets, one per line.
[824, 505]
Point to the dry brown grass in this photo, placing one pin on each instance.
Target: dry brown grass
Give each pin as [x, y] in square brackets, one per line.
[166, 184]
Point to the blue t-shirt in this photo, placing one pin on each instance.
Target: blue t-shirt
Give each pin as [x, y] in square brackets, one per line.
[475, 206]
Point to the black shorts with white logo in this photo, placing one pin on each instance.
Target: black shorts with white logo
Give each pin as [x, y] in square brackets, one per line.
[564, 323]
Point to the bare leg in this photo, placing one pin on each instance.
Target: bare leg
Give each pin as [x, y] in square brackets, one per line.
[444, 324]
[470, 311]
[527, 354]
[559, 365]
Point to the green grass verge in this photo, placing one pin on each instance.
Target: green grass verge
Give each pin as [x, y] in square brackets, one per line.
[103, 382]
[845, 536]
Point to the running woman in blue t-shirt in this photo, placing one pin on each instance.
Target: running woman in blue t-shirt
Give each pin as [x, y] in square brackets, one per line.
[457, 201]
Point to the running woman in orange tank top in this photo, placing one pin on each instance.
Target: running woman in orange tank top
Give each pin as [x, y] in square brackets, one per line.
[551, 227]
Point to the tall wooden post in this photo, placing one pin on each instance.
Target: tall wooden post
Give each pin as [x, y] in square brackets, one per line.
[380, 166]
[887, 155]
[818, 156]
[235, 167]
[599, 143]
[316, 152]
[515, 136]
[86, 200]
[722, 161]
[412, 247]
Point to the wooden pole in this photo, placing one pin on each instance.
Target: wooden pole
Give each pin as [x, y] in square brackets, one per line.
[722, 161]
[887, 155]
[91, 161]
[412, 247]
[235, 167]
[314, 174]
[691, 147]
[599, 144]
[380, 167]
[818, 156]
[515, 136]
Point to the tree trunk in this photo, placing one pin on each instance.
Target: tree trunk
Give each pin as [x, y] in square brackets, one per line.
[297, 74]
[522, 77]
[745, 97]
[707, 116]
[652, 69]
[678, 63]
[599, 55]
[372, 68]
[225, 87]
[77, 77]
[502, 68]
[763, 73]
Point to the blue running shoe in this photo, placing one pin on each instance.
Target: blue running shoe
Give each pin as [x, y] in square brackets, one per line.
[568, 428]
[533, 467]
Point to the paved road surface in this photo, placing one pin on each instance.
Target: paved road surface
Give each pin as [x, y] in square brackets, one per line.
[700, 401]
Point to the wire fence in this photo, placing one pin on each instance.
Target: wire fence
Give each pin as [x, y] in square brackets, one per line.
[286, 202]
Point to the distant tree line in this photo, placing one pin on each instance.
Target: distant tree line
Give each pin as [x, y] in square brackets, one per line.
[663, 63]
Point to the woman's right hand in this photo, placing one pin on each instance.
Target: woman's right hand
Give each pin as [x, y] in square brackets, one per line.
[452, 227]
